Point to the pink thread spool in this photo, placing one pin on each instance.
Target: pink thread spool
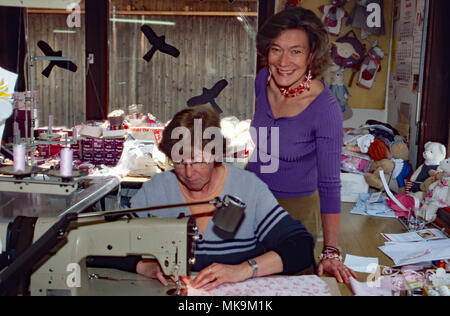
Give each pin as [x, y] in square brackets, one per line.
[65, 166]
[50, 124]
[74, 134]
[16, 131]
[19, 157]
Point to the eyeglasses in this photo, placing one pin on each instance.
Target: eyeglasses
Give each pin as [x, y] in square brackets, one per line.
[194, 165]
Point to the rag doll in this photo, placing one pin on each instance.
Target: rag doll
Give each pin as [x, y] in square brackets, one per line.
[333, 15]
[370, 66]
[398, 165]
[438, 195]
[339, 89]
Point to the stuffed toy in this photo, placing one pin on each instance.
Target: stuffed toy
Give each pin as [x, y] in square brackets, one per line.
[438, 195]
[339, 89]
[434, 175]
[345, 54]
[378, 150]
[333, 15]
[370, 66]
[433, 154]
[398, 165]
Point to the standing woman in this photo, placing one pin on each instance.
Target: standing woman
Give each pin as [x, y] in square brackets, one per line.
[308, 119]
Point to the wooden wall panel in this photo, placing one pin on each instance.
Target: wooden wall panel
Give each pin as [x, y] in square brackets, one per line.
[212, 48]
[182, 5]
[63, 93]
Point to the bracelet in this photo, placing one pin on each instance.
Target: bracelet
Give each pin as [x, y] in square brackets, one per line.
[330, 252]
[334, 256]
[330, 249]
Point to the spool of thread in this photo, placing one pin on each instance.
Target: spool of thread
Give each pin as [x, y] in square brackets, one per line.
[74, 134]
[16, 129]
[50, 124]
[65, 166]
[16, 133]
[19, 157]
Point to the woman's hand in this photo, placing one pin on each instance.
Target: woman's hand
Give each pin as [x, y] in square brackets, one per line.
[151, 269]
[217, 274]
[337, 269]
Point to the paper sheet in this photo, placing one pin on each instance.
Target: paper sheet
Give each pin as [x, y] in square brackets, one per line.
[417, 252]
[361, 264]
[305, 285]
[421, 235]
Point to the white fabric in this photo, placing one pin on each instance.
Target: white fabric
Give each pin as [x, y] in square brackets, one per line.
[306, 285]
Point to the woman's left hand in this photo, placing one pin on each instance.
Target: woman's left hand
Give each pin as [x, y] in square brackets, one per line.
[337, 269]
[217, 273]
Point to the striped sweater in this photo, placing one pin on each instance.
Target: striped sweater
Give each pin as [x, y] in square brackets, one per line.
[266, 225]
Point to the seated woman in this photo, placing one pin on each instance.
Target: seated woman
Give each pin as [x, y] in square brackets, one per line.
[268, 240]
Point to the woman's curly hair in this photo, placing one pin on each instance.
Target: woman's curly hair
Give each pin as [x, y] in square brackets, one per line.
[302, 19]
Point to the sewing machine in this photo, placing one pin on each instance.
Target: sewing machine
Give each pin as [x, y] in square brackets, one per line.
[55, 249]
[169, 241]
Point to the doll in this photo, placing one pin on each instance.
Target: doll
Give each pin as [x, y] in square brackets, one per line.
[339, 89]
[370, 66]
[333, 15]
[438, 195]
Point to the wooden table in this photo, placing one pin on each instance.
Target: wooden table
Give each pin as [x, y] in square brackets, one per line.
[360, 236]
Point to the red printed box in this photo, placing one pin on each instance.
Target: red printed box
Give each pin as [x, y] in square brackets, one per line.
[88, 156]
[110, 155]
[110, 161]
[99, 156]
[97, 143]
[109, 143]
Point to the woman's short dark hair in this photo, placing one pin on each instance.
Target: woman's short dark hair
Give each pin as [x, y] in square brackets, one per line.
[301, 19]
[186, 119]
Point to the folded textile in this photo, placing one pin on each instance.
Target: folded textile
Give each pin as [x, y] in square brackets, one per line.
[305, 285]
[380, 287]
[379, 208]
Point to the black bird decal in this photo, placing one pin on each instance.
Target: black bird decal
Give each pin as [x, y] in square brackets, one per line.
[209, 95]
[158, 43]
[48, 51]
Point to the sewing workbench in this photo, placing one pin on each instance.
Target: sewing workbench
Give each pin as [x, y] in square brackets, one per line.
[360, 236]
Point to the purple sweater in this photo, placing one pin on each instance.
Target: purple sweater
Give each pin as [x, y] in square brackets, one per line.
[309, 148]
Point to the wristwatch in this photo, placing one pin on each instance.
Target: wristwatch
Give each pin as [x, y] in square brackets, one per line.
[254, 266]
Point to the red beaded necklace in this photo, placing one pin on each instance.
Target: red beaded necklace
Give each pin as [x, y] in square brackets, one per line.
[305, 85]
